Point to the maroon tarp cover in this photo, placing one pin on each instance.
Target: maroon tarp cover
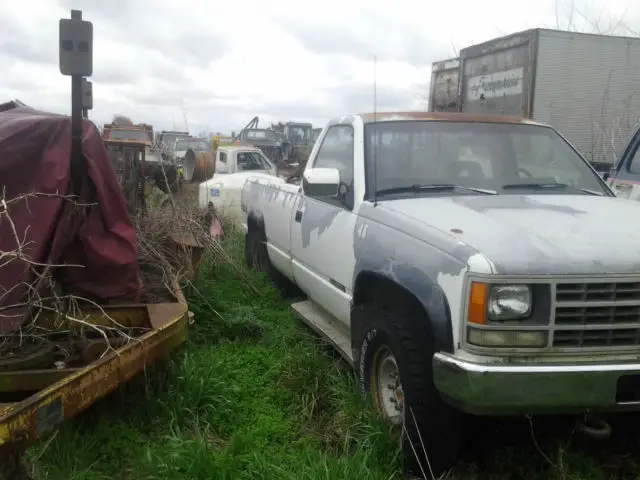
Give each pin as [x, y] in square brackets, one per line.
[51, 228]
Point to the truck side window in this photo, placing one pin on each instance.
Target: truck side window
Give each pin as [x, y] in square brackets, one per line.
[634, 164]
[336, 151]
[222, 166]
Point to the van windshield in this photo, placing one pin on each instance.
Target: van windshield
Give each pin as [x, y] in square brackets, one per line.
[502, 157]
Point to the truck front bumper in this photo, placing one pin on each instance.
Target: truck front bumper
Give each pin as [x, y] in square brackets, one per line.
[501, 389]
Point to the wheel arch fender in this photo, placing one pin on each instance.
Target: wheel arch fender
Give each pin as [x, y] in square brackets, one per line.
[416, 293]
[255, 224]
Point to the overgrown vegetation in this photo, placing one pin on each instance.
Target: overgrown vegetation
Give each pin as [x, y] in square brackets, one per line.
[255, 395]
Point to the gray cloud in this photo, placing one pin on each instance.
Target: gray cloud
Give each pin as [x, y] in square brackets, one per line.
[25, 51]
[138, 25]
[16, 42]
[160, 50]
[359, 98]
[377, 35]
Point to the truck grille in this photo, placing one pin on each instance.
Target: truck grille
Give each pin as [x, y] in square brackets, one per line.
[597, 315]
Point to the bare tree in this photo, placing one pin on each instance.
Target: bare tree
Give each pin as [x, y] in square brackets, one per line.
[612, 120]
[581, 18]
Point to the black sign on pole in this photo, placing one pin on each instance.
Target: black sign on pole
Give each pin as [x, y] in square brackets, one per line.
[76, 61]
[87, 97]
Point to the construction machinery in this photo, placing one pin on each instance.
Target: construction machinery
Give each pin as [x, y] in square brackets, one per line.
[166, 143]
[272, 143]
[141, 132]
[299, 137]
[132, 155]
[316, 134]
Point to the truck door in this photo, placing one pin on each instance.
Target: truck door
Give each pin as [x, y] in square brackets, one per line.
[323, 228]
[625, 177]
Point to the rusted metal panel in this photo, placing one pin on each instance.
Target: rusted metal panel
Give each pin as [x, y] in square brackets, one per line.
[65, 397]
[443, 89]
[586, 86]
[497, 76]
[31, 380]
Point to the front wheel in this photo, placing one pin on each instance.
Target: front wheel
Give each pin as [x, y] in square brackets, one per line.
[395, 370]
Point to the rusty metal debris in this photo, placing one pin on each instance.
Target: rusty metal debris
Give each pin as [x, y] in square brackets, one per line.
[198, 166]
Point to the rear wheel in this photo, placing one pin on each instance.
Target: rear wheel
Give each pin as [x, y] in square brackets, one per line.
[395, 370]
[256, 256]
[255, 253]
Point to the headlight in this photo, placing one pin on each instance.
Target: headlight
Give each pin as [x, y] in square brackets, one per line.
[492, 305]
[509, 302]
[498, 302]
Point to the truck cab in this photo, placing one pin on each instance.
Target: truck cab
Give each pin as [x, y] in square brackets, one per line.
[233, 166]
[446, 255]
[624, 178]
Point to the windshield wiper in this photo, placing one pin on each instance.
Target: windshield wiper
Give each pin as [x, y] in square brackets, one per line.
[437, 187]
[547, 185]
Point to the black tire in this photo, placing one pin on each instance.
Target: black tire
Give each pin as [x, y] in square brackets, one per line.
[255, 252]
[257, 258]
[429, 424]
[168, 184]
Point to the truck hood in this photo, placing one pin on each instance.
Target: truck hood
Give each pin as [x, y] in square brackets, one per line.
[532, 234]
[231, 180]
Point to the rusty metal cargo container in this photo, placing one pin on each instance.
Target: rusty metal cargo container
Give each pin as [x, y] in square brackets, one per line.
[584, 85]
[443, 93]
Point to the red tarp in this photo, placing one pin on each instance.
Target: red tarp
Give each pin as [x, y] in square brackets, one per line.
[35, 159]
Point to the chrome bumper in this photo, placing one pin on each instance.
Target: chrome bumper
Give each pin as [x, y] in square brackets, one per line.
[498, 389]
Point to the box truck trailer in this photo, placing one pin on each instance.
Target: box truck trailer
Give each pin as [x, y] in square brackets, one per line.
[587, 86]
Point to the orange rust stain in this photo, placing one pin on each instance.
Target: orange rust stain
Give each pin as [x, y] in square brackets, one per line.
[445, 116]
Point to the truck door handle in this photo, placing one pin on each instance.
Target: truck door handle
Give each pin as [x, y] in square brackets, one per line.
[298, 216]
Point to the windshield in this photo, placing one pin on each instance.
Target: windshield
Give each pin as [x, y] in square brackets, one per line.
[478, 155]
[195, 145]
[252, 161]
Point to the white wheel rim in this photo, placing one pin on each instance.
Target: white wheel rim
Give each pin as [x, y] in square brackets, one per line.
[389, 387]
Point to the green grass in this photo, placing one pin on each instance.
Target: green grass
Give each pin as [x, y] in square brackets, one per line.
[254, 395]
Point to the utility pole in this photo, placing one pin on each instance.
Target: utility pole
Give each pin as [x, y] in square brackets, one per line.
[76, 61]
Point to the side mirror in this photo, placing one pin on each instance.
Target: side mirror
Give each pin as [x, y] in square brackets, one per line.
[321, 182]
[605, 176]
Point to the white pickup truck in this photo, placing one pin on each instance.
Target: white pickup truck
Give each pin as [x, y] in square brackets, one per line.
[233, 165]
[461, 263]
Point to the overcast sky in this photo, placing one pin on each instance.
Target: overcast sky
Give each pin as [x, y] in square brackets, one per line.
[218, 64]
